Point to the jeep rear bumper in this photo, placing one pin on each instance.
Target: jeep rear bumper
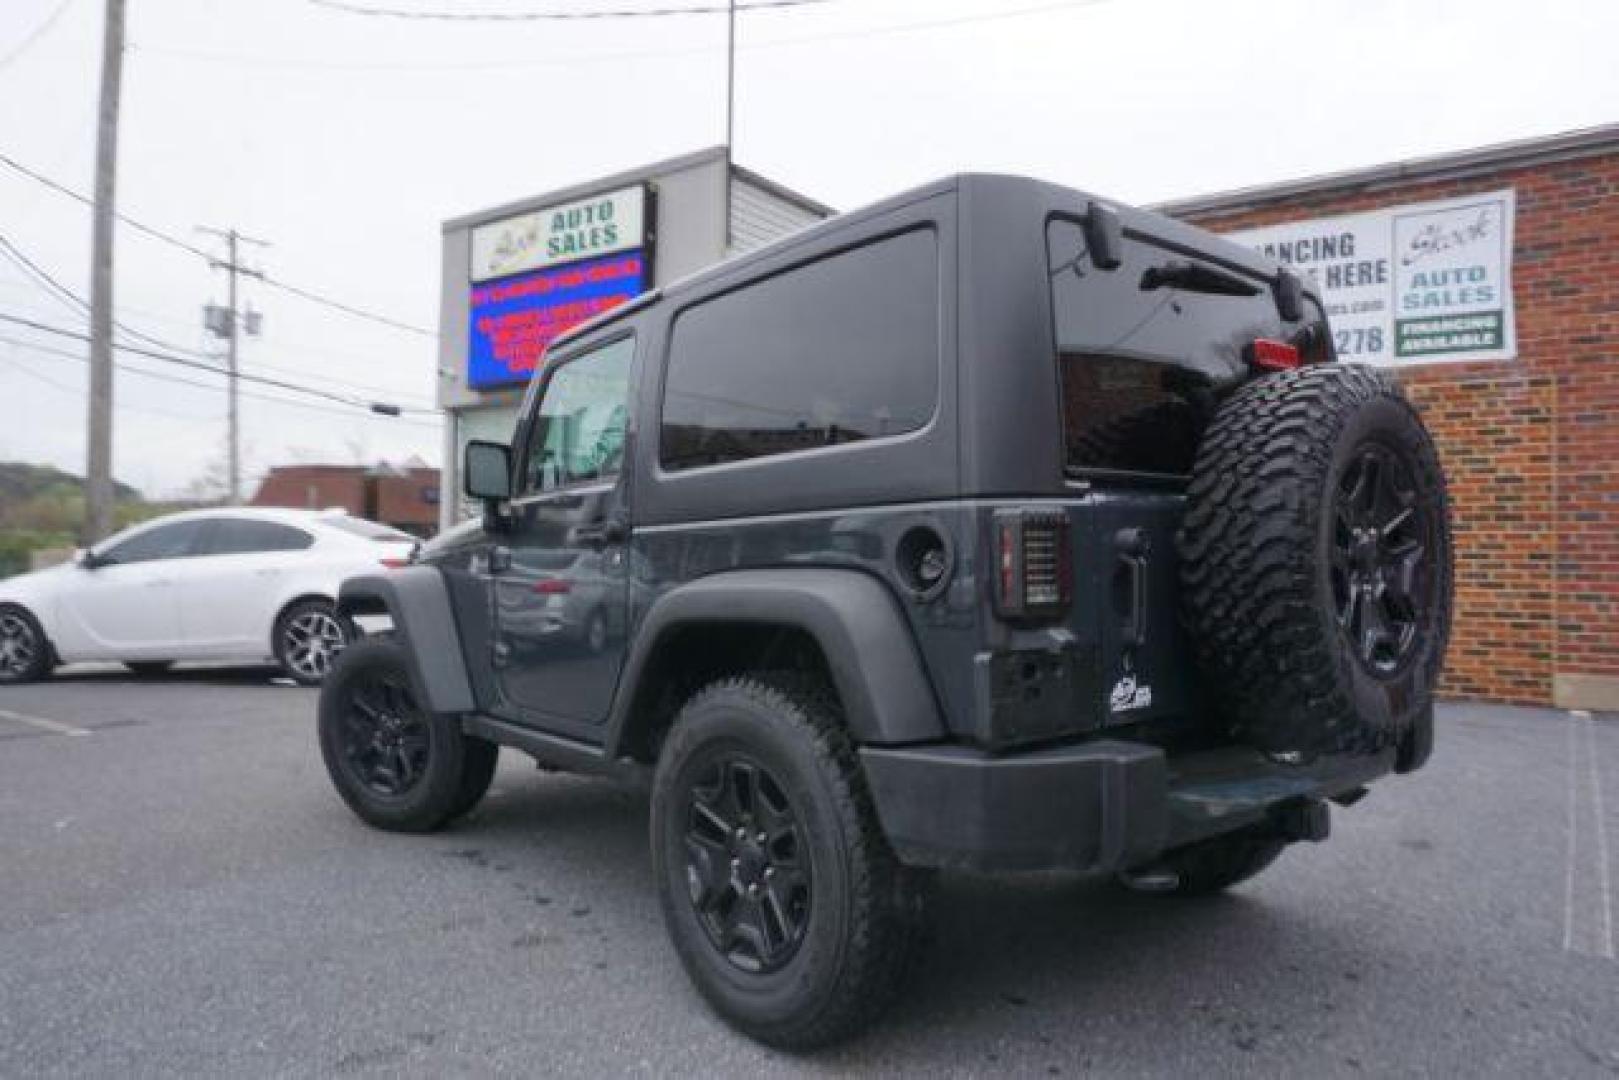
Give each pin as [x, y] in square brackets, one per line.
[1098, 806]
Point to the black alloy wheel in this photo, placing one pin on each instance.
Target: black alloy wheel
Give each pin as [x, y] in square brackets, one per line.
[747, 864]
[1379, 558]
[399, 765]
[385, 742]
[786, 905]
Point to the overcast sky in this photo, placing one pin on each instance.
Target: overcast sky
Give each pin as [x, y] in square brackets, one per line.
[345, 140]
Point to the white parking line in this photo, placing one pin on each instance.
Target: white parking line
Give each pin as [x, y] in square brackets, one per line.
[1602, 837]
[55, 727]
[1573, 830]
[1592, 904]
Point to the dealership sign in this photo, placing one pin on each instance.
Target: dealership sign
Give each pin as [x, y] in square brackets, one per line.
[1409, 284]
[515, 318]
[599, 225]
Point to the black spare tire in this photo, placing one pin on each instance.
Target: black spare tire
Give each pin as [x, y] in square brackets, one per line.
[1315, 562]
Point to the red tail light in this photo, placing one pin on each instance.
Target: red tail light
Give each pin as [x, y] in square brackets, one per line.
[1034, 564]
[553, 586]
[395, 564]
[1269, 355]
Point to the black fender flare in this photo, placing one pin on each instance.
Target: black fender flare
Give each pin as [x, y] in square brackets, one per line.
[869, 648]
[417, 599]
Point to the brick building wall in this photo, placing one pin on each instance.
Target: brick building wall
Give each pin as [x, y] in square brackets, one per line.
[406, 499]
[1530, 446]
[409, 500]
[313, 487]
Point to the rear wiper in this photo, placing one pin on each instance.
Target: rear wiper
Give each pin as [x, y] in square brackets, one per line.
[1196, 277]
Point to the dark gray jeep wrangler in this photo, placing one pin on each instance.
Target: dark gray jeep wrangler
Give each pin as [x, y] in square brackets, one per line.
[991, 528]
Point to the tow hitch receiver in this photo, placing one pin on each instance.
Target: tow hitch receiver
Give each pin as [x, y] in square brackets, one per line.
[1302, 819]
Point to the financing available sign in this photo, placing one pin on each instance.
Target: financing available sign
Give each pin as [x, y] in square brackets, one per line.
[1409, 284]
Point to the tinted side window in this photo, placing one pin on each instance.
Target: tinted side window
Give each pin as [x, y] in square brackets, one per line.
[840, 350]
[161, 542]
[578, 433]
[237, 536]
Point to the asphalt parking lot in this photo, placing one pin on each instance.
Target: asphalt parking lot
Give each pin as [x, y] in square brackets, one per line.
[181, 891]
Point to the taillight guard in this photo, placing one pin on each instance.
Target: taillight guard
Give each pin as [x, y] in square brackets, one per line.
[1034, 564]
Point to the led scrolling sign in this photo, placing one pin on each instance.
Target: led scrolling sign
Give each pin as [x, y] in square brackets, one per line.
[539, 274]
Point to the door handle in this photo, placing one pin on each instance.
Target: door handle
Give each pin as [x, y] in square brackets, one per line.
[1133, 547]
[611, 530]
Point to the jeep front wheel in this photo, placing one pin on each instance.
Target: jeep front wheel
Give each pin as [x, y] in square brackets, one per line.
[398, 766]
[784, 902]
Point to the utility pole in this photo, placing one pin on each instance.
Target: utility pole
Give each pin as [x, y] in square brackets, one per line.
[98, 494]
[730, 112]
[730, 75]
[228, 323]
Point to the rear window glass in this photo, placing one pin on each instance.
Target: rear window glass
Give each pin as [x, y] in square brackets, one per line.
[242, 536]
[1125, 415]
[840, 350]
[1109, 311]
[370, 530]
[1137, 364]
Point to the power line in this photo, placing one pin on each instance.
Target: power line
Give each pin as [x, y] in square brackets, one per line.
[81, 306]
[163, 376]
[38, 32]
[75, 392]
[175, 242]
[347, 309]
[57, 291]
[614, 56]
[349, 8]
[200, 366]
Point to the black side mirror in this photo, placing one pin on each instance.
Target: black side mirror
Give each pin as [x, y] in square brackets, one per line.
[486, 471]
[1104, 236]
[89, 560]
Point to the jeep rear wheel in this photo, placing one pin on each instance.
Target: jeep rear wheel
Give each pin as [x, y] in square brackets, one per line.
[783, 900]
[398, 766]
[1316, 562]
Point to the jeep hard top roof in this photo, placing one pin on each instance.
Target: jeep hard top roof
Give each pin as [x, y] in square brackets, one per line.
[982, 198]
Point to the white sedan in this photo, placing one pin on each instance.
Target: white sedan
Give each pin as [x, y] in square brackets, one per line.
[243, 584]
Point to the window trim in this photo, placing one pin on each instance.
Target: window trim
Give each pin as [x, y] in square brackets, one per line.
[529, 420]
[929, 225]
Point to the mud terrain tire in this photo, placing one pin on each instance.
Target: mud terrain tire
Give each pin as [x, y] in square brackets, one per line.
[1315, 562]
[854, 913]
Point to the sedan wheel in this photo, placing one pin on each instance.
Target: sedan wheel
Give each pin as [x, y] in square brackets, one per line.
[24, 653]
[308, 639]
